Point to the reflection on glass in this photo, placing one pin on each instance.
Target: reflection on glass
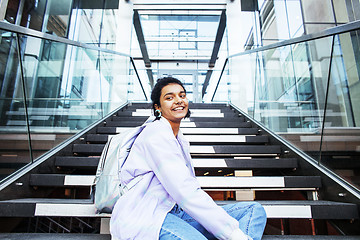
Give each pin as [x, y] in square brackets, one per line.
[341, 140]
[58, 17]
[14, 144]
[33, 14]
[67, 89]
[307, 94]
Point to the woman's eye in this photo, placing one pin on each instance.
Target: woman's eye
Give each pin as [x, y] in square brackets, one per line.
[168, 98]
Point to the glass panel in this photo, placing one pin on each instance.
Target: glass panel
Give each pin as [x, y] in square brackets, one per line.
[83, 88]
[12, 11]
[342, 9]
[95, 22]
[296, 28]
[288, 85]
[14, 144]
[318, 16]
[341, 141]
[86, 22]
[69, 88]
[315, 12]
[114, 75]
[241, 78]
[222, 93]
[33, 14]
[58, 17]
[135, 92]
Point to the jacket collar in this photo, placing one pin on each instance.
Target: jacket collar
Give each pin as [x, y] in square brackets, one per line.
[184, 144]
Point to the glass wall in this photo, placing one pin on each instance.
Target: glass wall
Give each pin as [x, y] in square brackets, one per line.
[286, 19]
[53, 90]
[308, 92]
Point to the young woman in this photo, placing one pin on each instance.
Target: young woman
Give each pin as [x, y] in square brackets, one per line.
[168, 203]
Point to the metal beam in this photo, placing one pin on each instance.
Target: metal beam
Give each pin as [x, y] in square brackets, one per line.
[206, 82]
[218, 39]
[3, 7]
[151, 77]
[141, 39]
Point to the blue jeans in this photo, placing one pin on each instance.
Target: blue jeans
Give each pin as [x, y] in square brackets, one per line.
[179, 225]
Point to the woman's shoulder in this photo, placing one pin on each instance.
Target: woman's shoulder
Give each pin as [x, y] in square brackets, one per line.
[156, 129]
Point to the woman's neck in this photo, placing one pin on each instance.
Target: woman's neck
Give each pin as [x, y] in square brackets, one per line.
[175, 127]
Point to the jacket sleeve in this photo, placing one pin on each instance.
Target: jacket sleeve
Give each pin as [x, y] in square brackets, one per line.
[164, 156]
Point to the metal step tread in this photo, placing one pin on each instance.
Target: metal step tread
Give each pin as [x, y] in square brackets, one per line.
[77, 162]
[230, 163]
[117, 118]
[189, 130]
[235, 124]
[85, 208]
[92, 236]
[206, 182]
[214, 139]
[54, 236]
[194, 114]
[96, 149]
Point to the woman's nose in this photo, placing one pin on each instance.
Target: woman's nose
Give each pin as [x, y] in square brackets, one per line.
[178, 99]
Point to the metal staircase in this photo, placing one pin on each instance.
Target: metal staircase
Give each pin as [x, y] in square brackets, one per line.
[234, 160]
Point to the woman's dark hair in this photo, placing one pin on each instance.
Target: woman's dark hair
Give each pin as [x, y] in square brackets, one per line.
[156, 92]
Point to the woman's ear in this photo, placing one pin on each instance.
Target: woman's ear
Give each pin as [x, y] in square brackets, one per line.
[157, 107]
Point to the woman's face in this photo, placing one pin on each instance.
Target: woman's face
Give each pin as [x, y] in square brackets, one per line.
[173, 102]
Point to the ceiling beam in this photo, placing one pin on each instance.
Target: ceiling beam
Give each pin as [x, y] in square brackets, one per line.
[218, 39]
[141, 39]
[206, 82]
[143, 49]
[214, 55]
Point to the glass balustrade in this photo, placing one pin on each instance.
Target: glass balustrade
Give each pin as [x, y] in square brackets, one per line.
[53, 90]
[308, 92]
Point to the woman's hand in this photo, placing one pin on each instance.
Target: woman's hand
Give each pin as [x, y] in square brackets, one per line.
[239, 235]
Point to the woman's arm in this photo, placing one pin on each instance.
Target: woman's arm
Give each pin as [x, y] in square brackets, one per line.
[164, 156]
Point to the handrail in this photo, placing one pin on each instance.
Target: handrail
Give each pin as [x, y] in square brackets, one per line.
[30, 32]
[30, 166]
[217, 85]
[336, 178]
[33, 33]
[313, 36]
[138, 77]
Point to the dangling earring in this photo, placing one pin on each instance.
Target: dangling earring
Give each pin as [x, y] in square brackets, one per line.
[157, 113]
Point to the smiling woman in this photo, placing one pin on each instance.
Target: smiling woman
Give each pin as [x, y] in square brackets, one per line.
[172, 105]
[168, 203]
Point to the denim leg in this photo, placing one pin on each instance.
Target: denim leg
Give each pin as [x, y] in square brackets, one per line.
[176, 228]
[251, 217]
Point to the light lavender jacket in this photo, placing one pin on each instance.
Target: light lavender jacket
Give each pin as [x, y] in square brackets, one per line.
[169, 178]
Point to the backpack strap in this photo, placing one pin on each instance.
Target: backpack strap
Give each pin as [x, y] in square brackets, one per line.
[124, 188]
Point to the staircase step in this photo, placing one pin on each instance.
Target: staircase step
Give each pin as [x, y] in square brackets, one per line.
[233, 150]
[248, 163]
[92, 236]
[218, 163]
[193, 114]
[77, 162]
[117, 118]
[190, 130]
[208, 182]
[235, 124]
[31, 207]
[54, 236]
[205, 139]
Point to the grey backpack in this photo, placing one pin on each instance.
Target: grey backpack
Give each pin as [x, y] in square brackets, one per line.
[107, 185]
